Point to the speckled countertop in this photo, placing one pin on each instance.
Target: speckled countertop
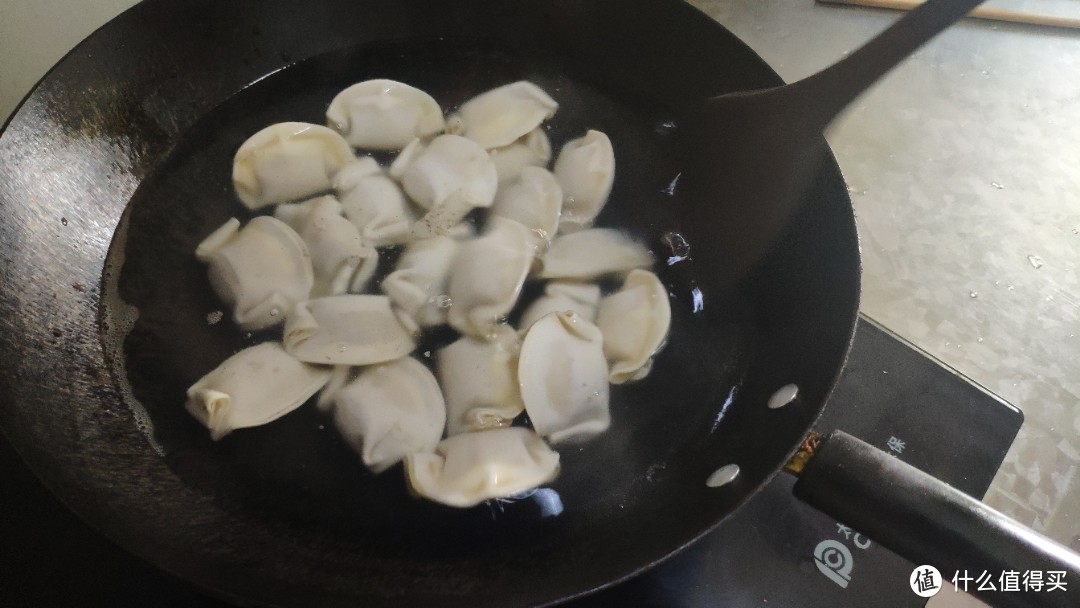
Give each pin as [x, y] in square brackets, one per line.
[964, 167]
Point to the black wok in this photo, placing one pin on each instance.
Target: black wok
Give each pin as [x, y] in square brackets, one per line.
[128, 142]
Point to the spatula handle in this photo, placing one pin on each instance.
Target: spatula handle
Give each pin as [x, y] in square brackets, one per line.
[836, 86]
[930, 522]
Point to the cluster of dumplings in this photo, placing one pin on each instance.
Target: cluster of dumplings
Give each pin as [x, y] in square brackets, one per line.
[309, 268]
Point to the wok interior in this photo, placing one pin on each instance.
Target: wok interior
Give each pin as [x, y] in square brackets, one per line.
[628, 497]
[297, 469]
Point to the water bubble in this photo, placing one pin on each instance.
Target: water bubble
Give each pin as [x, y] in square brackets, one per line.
[666, 126]
[274, 312]
[997, 186]
[442, 301]
[698, 299]
[1035, 261]
[670, 190]
[653, 470]
[677, 243]
[973, 294]
[980, 340]
[1076, 230]
[63, 221]
[342, 348]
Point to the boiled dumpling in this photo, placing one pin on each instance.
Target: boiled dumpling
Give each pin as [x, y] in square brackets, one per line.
[449, 177]
[479, 380]
[374, 203]
[593, 253]
[405, 158]
[418, 286]
[534, 199]
[564, 377]
[470, 468]
[500, 116]
[384, 114]
[448, 164]
[368, 267]
[532, 150]
[561, 296]
[634, 321]
[310, 263]
[454, 125]
[286, 162]
[487, 275]
[255, 386]
[390, 410]
[340, 375]
[336, 249]
[347, 330]
[586, 169]
[260, 271]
